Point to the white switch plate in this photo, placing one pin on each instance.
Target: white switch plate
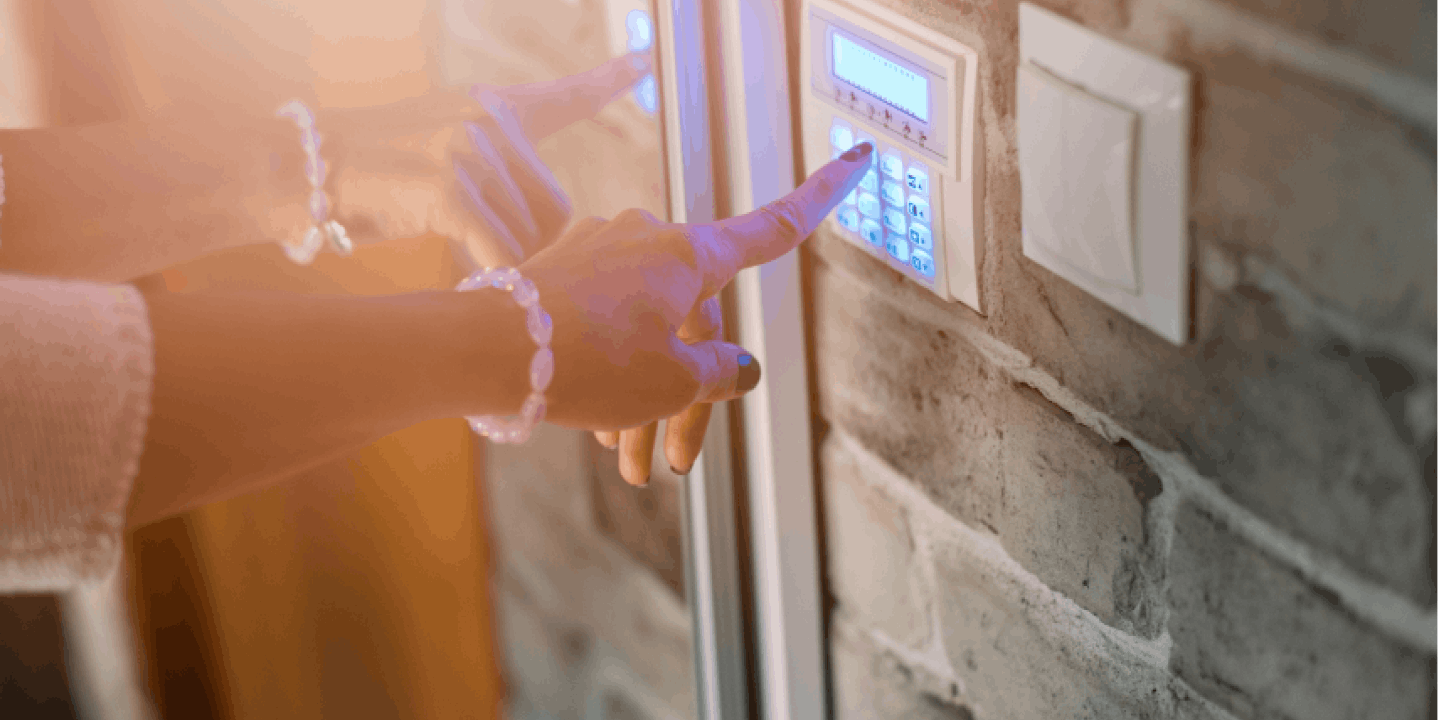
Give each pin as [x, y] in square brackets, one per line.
[943, 147]
[1103, 133]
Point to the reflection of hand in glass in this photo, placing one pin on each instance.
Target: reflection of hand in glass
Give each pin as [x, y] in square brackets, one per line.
[637, 326]
[502, 179]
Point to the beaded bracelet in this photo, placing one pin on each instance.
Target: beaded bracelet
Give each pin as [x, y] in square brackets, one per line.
[315, 169]
[542, 364]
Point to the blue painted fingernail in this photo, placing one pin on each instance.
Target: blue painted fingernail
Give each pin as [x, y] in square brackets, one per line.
[858, 152]
[749, 373]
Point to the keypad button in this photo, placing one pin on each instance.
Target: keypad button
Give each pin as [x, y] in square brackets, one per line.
[841, 137]
[893, 194]
[849, 219]
[850, 199]
[874, 152]
[923, 263]
[870, 230]
[895, 221]
[892, 166]
[869, 205]
[918, 208]
[920, 237]
[918, 179]
[897, 247]
[871, 182]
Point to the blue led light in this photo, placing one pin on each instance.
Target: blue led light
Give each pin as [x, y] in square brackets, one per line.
[645, 94]
[881, 77]
[640, 31]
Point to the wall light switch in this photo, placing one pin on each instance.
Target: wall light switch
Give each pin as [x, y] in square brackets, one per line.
[1103, 136]
[1078, 196]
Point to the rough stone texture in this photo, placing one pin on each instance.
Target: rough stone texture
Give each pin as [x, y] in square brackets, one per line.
[1295, 183]
[1009, 667]
[1398, 32]
[870, 552]
[1253, 637]
[870, 684]
[997, 456]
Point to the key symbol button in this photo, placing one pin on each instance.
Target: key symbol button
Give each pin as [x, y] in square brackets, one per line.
[849, 219]
[923, 264]
[870, 230]
[869, 205]
[893, 194]
[897, 247]
[895, 221]
[920, 237]
[891, 166]
[919, 208]
[918, 180]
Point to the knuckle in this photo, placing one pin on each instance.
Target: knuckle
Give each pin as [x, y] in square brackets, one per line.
[637, 217]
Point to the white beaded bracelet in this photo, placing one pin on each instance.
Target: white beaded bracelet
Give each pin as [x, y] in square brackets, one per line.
[542, 364]
[315, 169]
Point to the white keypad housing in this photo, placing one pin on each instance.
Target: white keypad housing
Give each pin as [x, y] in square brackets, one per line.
[917, 210]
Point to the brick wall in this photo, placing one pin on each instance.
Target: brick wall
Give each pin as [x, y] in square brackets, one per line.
[1048, 512]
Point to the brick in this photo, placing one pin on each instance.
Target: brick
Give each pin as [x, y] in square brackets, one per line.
[870, 552]
[1319, 182]
[870, 684]
[1398, 32]
[1020, 654]
[1299, 419]
[1253, 637]
[997, 456]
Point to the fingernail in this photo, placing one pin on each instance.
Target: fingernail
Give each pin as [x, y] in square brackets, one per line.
[644, 483]
[859, 151]
[749, 373]
[678, 471]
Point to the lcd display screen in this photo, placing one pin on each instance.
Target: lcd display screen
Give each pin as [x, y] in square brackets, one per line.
[884, 78]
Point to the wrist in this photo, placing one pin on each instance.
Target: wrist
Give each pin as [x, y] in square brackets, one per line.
[487, 352]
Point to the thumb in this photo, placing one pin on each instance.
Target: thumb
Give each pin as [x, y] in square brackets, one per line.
[725, 371]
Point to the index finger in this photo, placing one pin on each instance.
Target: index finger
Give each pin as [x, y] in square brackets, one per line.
[543, 108]
[769, 232]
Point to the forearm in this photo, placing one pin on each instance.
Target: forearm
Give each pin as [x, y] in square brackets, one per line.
[114, 201]
[252, 389]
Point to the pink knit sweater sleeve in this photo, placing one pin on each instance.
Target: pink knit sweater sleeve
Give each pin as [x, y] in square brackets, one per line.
[76, 363]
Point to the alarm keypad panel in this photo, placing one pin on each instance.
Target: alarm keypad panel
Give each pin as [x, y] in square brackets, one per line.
[889, 214]
[878, 77]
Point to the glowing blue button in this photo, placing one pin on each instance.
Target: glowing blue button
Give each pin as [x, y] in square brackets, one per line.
[920, 237]
[870, 230]
[849, 219]
[869, 205]
[871, 182]
[897, 247]
[922, 262]
[841, 137]
[892, 166]
[875, 153]
[919, 208]
[917, 179]
[850, 199]
[639, 30]
[895, 221]
[893, 194]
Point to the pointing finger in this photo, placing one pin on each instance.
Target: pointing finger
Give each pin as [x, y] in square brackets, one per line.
[546, 107]
[755, 238]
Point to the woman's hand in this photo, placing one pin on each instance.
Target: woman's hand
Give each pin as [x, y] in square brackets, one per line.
[466, 167]
[636, 322]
